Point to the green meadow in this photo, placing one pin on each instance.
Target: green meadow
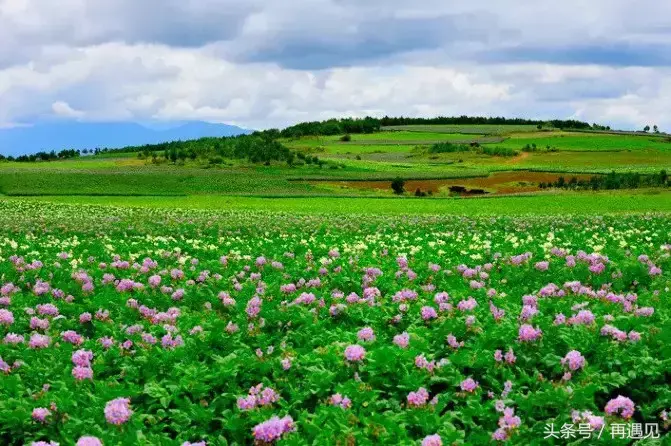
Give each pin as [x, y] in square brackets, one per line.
[355, 172]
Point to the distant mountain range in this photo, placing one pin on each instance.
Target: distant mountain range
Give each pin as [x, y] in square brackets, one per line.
[88, 135]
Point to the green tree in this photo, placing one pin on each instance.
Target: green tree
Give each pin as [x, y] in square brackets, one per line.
[398, 186]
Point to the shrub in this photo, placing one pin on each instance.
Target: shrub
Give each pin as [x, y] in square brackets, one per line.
[398, 186]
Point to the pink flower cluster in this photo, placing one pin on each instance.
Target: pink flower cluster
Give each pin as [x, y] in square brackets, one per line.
[432, 440]
[574, 359]
[527, 333]
[366, 334]
[621, 405]
[89, 441]
[586, 416]
[402, 340]
[507, 423]
[509, 357]
[40, 414]
[258, 397]
[340, 401]
[418, 398]
[118, 411]
[355, 353]
[273, 429]
[468, 385]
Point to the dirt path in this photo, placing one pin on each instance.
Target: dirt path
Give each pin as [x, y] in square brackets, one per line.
[517, 159]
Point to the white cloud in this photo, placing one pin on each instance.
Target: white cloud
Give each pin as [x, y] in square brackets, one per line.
[265, 63]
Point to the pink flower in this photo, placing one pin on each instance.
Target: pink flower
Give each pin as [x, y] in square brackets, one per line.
[106, 342]
[82, 358]
[355, 353]
[366, 334]
[72, 337]
[340, 401]
[39, 341]
[40, 414]
[542, 266]
[402, 340]
[154, 281]
[527, 333]
[13, 338]
[467, 305]
[428, 313]
[621, 405]
[6, 317]
[574, 359]
[432, 440]
[118, 411]
[273, 429]
[452, 342]
[469, 385]
[286, 363]
[634, 336]
[418, 398]
[89, 441]
[500, 434]
[82, 373]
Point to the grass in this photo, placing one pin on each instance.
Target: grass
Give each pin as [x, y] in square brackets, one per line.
[540, 204]
[484, 129]
[126, 175]
[399, 136]
[591, 142]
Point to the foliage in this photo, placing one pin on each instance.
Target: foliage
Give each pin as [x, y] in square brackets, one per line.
[448, 147]
[43, 156]
[613, 180]
[398, 186]
[123, 266]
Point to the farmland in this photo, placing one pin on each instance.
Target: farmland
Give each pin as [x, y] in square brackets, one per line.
[459, 323]
[156, 301]
[385, 155]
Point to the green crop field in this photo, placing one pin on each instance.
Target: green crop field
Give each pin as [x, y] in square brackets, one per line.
[305, 290]
[379, 156]
[591, 142]
[484, 129]
[597, 203]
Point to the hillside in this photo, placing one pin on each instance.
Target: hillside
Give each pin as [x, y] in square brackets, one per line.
[433, 160]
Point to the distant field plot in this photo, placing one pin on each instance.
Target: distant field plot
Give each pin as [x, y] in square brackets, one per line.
[591, 142]
[485, 129]
[545, 203]
[428, 135]
[361, 148]
[644, 161]
[89, 162]
[147, 182]
[387, 138]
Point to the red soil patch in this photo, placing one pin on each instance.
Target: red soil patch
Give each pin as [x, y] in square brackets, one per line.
[499, 183]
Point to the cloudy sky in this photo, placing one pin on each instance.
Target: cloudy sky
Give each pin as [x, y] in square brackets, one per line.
[270, 63]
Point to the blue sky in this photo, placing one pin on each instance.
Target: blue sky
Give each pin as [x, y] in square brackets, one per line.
[271, 63]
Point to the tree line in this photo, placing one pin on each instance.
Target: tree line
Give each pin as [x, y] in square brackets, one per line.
[611, 181]
[486, 120]
[43, 156]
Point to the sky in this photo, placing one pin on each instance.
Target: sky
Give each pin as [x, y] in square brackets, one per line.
[272, 63]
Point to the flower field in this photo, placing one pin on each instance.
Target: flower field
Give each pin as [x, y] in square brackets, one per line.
[124, 326]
